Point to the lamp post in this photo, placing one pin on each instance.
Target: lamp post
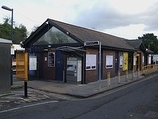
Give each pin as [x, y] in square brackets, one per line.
[11, 35]
[9, 9]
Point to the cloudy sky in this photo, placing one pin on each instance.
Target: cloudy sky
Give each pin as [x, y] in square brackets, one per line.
[123, 18]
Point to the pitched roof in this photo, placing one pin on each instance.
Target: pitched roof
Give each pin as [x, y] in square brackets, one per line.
[82, 35]
[137, 44]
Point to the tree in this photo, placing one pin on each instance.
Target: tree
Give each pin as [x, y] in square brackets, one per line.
[150, 41]
[19, 33]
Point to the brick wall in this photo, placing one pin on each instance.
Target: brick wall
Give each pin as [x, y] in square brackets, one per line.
[92, 75]
[106, 69]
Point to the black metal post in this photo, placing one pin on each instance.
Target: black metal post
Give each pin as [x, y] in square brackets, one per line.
[12, 43]
[25, 89]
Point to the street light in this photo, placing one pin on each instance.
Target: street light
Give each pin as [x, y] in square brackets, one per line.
[11, 35]
[9, 9]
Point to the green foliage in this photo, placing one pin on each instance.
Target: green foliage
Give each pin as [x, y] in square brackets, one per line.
[19, 33]
[150, 41]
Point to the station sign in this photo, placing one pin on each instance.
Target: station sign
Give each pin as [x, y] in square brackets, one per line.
[91, 43]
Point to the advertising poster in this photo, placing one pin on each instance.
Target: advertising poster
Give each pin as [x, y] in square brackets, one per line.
[125, 61]
[32, 63]
[109, 61]
[90, 62]
[121, 60]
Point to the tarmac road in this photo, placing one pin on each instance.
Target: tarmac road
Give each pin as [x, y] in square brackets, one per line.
[137, 101]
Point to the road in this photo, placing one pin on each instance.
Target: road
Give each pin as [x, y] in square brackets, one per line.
[137, 101]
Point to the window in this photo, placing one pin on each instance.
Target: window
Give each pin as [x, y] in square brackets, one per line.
[54, 36]
[51, 59]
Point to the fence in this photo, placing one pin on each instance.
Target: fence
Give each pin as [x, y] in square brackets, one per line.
[149, 69]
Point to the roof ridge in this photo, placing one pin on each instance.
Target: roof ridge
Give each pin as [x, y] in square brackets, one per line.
[87, 28]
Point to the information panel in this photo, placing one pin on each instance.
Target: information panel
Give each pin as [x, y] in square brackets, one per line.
[32, 63]
[22, 65]
[109, 61]
[90, 62]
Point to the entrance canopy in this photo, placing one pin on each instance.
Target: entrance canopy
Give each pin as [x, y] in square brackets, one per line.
[75, 50]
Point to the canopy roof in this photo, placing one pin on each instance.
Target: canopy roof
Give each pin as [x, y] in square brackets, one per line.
[5, 41]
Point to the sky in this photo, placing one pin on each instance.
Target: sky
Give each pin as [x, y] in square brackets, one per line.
[123, 18]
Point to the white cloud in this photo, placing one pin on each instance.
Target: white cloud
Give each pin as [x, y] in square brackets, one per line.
[129, 32]
[113, 16]
[132, 6]
[106, 18]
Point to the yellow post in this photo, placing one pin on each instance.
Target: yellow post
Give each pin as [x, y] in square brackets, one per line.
[143, 71]
[133, 74]
[126, 75]
[138, 73]
[108, 77]
[119, 77]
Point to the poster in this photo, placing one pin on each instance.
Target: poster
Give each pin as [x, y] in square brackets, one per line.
[121, 60]
[32, 63]
[143, 60]
[125, 61]
[109, 61]
[149, 59]
[90, 61]
[135, 60]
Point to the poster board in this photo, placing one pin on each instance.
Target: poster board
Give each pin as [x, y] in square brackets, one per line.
[32, 63]
[109, 61]
[90, 61]
[121, 60]
[125, 61]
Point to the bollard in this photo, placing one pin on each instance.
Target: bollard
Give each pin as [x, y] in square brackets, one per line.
[126, 75]
[108, 77]
[133, 74]
[119, 77]
[138, 73]
[143, 71]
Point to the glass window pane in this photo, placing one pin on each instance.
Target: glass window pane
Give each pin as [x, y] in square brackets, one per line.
[54, 36]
